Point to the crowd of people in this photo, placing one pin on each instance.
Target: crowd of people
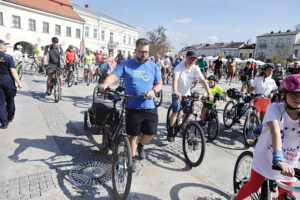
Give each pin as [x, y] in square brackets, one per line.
[143, 74]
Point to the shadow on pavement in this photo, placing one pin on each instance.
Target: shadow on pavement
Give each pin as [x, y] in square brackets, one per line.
[140, 196]
[209, 193]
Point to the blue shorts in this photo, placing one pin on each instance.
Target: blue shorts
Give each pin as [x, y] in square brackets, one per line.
[176, 104]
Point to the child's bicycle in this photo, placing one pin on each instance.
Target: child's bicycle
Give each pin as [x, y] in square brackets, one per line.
[213, 127]
[193, 141]
[241, 176]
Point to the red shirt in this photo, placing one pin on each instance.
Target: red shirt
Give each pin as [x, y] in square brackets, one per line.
[98, 58]
[70, 56]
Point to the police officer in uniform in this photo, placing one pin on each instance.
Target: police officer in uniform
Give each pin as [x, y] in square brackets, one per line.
[8, 90]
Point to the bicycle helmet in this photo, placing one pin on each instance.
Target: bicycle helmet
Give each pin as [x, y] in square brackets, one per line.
[42, 47]
[213, 78]
[291, 83]
[19, 47]
[55, 40]
[104, 55]
[267, 65]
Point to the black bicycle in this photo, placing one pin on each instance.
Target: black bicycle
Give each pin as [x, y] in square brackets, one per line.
[101, 77]
[112, 123]
[193, 142]
[242, 172]
[235, 109]
[213, 127]
[71, 71]
[55, 85]
[158, 98]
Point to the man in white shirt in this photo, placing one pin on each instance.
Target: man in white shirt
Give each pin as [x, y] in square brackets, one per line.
[18, 56]
[184, 74]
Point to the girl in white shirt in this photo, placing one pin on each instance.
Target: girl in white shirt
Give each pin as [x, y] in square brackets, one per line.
[265, 86]
[279, 142]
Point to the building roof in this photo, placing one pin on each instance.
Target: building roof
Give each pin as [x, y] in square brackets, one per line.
[233, 45]
[248, 46]
[59, 7]
[213, 46]
[100, 15]
[279, 33]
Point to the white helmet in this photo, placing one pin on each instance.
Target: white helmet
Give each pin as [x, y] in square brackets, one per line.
[19, 47]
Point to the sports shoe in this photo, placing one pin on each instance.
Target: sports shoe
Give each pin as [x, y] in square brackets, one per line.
[141, 152]
[48, 92]
[233, 197]
[4, 126]
[133, 166]
[170, 136]
[10, 119]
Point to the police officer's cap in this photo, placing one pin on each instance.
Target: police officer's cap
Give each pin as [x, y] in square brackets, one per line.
[3, 43]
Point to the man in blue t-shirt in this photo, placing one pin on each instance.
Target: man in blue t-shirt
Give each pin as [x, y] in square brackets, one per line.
[140, 76]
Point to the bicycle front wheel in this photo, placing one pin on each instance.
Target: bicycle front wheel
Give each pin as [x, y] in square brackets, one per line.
[57, 92]
[70, 79]
[193, 144]
[213, 127]
[250, 124]
[121, 168]
[88, 78]
[20, 72]
[242, 172]
[158, 98]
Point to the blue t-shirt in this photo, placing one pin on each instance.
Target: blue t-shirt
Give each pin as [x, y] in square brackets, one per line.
[104, 67]
[138, 78]
[6, 62]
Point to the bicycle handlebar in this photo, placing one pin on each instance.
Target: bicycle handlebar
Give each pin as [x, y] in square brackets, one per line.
[297, 171]
[125, 95]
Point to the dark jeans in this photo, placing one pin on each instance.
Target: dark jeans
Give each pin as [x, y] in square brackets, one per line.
[7, 94]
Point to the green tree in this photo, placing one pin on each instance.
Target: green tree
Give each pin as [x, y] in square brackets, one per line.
[245, 56]
[275, 58]
[158, 41]
[223, 55]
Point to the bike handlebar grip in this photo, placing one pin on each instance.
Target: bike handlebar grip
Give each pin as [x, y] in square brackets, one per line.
[276, 167]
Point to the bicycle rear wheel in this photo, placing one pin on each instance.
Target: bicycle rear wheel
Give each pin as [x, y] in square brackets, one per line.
[158, 98]
[250, 124]
[193, 144]
[168, 116]
[242, 172]
[229, 114]
[121, 168]
[88, 78]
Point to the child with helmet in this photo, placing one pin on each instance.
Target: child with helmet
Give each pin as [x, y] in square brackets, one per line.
[279, 142]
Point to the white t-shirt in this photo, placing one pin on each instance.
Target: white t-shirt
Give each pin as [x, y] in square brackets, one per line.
[290, 136]
[167, 62]
[263, 87]
[18, 56]
[186, 77]
[160, 64]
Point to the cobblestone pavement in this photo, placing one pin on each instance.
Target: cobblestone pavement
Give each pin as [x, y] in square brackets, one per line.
[65, 123]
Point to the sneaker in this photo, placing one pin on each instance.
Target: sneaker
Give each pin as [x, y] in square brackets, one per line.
[10, 119]
[134, 163]
[233, 197]
[48, 92]
[76, 83]
[4, 126]
[141, 152]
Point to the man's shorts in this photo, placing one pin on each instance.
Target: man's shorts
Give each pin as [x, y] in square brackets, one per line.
[261, 104]
[91, 67]
[248, 82]
[230, 74]
[141, 121]
[176, 104]
[203, 70]
[51, 69]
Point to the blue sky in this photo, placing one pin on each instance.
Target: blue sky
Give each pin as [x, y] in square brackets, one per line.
[203, 21]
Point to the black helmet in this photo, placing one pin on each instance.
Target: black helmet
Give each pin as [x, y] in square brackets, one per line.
[55, 40]
[267, 65]
[213, 78]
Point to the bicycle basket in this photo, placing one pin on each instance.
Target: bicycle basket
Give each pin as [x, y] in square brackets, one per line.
[102, 112]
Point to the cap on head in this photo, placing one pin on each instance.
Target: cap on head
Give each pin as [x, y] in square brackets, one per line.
[191, 54]
[3, 43]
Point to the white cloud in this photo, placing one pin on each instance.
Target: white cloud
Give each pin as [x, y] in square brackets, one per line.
[213, 39]
[237, 30]
[176, 36]
[184, 20]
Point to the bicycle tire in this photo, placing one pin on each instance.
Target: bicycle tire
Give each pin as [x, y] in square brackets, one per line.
[105, 143]
[250, 141]
[243, 161]
[158, 96]
[95, 93]
[190, 141]
[88, 78]
[213, 128]
[20, 72]
[70, 79]
[85, 120]
[56, 92]
[126, 160]
[227, 114]
[28, 67]
[168, 116]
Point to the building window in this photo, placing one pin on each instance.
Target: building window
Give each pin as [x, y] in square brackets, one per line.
[95, 33]
[280, 42]
[16, 21]
[270, 52]
[288, 40]
[68, 31]
[129, 40]
[77, 33]
[296, 53]
[241, 55]
[31, 24]
[57, 29]
[45, 27]
[272, 41]
[111, 37]
[124, 39]
[1, 18]
[102, 35]
[278, 52]
[250, 55]
[134, 40]
[87, 31]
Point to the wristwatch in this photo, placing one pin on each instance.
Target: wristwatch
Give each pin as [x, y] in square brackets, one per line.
[154, 91]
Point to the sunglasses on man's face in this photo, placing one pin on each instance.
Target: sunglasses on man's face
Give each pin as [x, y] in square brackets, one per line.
[142, 52]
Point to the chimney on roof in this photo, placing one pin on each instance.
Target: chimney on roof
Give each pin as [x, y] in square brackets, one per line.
[288, 31]
[87, 5]
[272, 32]
[279, 31]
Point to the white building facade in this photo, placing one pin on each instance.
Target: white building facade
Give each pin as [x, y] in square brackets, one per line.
[28, 26]
[106, 34]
